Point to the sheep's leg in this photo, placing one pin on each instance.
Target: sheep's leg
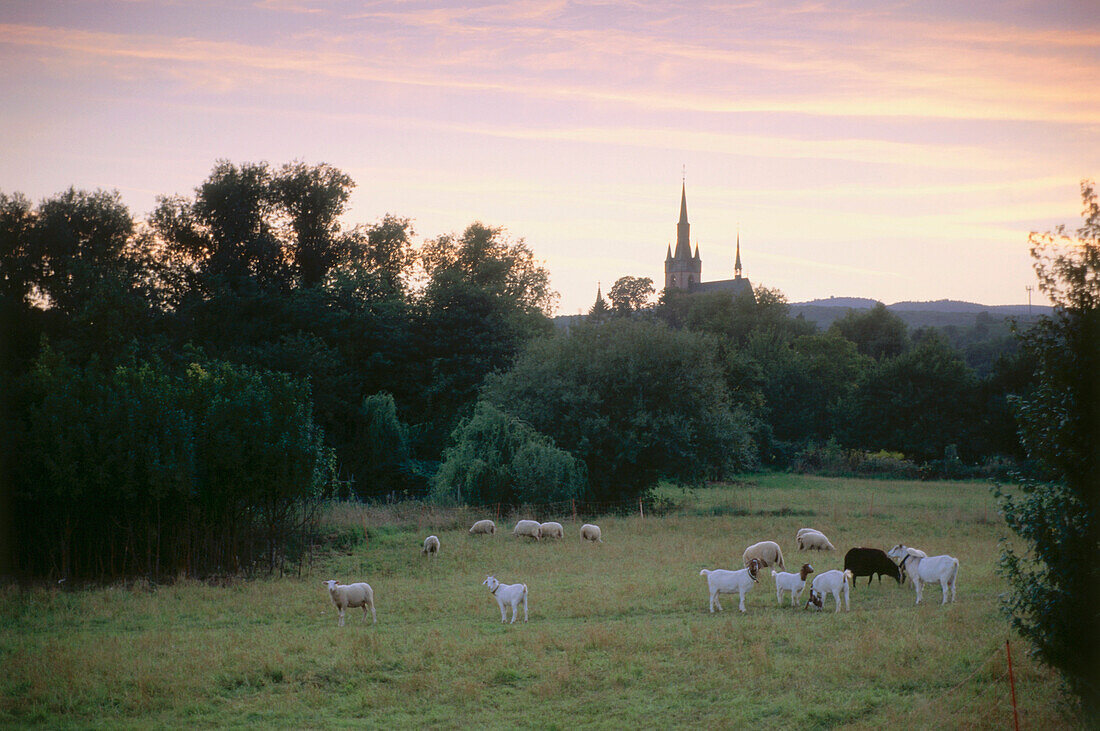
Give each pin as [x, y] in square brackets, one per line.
[715, 602]
[503, 612]
[917, 585]
[741, 604]
[779, 596]
[515, 610]
[943, 586]
[341, 610]
[524, 606]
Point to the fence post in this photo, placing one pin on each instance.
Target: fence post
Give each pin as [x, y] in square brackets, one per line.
[1012, 685]
[640, 511]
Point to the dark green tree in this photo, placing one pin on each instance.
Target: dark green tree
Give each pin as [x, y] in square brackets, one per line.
[630, 294]
[485, 296]
[877, 332]
[496, 458]
[314, 197]
[916, 403]
[635, 400]
[1055, 598]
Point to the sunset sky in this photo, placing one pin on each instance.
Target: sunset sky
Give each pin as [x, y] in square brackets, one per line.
[893, 150]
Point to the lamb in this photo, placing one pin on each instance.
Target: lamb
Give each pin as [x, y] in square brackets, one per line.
[591, 532]
[766, 552]
[483, 526]
[527, 528]
[794, 583]
[869, 562]
[903, 553]
[508, 594]
[944, 569]
[833, 582]
[720, 581]
[813, 540]
[551, 530]
[352, 595]
[431, 546]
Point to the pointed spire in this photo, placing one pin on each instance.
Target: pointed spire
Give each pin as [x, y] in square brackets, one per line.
[683, 229]
[737, 261]
[668, 256]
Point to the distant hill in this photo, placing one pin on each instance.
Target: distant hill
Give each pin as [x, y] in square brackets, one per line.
[939, 313]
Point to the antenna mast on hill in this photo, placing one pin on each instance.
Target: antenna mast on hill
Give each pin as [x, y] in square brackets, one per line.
[1028, 288]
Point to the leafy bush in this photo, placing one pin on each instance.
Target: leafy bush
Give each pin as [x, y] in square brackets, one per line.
[498, 459]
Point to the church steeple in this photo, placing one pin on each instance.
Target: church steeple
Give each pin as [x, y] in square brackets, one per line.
[682, 269]
[683, 228]
[737, 261]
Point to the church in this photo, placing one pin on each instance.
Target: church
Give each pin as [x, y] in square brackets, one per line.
[683, 270]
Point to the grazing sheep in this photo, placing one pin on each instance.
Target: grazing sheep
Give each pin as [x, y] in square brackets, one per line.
[720, 581]
[794, 583]
[869, 562]
[351, 595]
[431, 546]
[508, 594]
[591, 532]
[833, 582]
[527, 528]
[551, 530]
[813, 540]
[944, 569]
[483, 526]
[766, 552]
[902, 553]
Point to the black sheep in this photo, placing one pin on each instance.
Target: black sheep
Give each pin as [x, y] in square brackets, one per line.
[870, 561]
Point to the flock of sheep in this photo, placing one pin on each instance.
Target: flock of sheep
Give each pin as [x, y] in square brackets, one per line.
[899, 562]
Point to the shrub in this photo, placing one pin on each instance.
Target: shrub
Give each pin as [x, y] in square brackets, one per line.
[496, 458]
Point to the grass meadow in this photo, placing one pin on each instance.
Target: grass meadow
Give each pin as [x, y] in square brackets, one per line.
[619, 633]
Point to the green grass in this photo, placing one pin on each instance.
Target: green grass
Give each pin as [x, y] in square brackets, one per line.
[619, 633]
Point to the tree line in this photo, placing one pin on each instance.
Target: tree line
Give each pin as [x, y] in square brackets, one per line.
[179, 391]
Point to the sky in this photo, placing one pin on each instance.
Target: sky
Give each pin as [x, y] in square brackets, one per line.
[897, 150]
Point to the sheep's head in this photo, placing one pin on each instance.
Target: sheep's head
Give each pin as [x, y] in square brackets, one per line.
[897, 551]
[331, 584]
[754, 568]
[491, 582]
[807, 569]
[814, 600]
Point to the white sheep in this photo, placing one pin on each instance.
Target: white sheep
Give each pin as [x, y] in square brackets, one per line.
[766, 552]
[483, 526]
[813, 540]
[431, 546]
[721, 581]
[943, 569]
[527, 528]
[551, 530]
[506, 594]
[833, 582]
[351, 595]
[794, 583]
[591, 532]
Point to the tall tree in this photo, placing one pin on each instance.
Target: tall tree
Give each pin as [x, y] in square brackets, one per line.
[314, 197]
[485, 296]
[1055, 599]
[630, 294]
